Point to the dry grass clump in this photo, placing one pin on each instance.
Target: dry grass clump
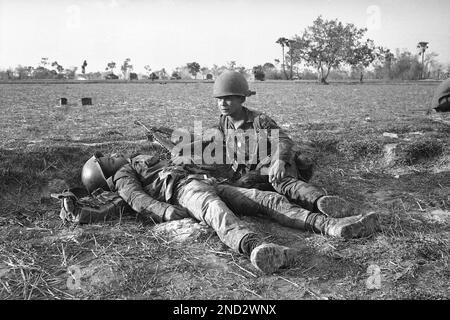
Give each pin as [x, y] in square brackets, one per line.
[360, 148]
[325, 143]
[404, 127]
[423, 150]
[33, 270]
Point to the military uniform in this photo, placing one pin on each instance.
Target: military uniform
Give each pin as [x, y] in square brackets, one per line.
[157, 188]
[150, 186]
[299, 167]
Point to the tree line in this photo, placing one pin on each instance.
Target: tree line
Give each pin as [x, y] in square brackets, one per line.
[46, 70]
[328, 49]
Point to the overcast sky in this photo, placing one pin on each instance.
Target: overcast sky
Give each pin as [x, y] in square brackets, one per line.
[170, 33]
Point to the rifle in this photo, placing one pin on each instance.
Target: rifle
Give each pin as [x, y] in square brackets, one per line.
[157, 136]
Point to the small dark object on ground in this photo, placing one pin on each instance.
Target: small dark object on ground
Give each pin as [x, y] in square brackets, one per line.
[63, 101]
[86, 101]
[443, 107]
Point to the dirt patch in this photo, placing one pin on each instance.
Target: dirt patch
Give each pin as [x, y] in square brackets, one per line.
[185, 230]
[98, 275]
[442, 216]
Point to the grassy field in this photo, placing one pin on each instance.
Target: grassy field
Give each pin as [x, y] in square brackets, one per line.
[374, 146]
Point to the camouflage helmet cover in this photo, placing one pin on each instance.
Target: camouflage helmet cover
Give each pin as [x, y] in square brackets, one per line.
[231, 83]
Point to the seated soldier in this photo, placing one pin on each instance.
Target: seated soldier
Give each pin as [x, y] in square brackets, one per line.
[163, 191]
[274, 162]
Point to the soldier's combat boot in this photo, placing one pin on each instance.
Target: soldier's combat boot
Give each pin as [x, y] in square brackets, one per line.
[269, 257]
[361, 225]
[335, 207]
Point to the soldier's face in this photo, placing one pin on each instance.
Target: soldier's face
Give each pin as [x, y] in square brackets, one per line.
[111, 164]
[229, 105]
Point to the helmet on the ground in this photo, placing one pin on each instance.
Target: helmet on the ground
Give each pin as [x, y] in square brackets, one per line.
[441, 98]
[231, 83]
[99, 168]
[92, 174]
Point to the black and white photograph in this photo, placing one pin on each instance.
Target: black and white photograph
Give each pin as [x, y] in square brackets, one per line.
[222, 158]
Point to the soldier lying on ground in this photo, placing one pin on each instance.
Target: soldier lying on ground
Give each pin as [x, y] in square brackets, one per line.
[163, 191]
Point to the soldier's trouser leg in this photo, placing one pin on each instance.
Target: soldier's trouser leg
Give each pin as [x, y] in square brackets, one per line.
[271, 204]
[278, 207]
[296, 190]
[205, 205]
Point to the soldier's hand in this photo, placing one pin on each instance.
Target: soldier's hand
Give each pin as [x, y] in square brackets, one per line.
[175, 213]
[277, 171]
[67, 212]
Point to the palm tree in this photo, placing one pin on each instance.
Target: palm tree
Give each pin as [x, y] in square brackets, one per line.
[283, 42]
[290, 44]
[422, 46]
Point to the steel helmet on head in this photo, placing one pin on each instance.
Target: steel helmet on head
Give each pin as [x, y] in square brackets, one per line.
[441, 98]
[92, 174]
[97, 169]
[231, 83]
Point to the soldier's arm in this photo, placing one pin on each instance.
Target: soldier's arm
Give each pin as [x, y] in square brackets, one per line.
[211, 135]
[281, 148]
[129, 187]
